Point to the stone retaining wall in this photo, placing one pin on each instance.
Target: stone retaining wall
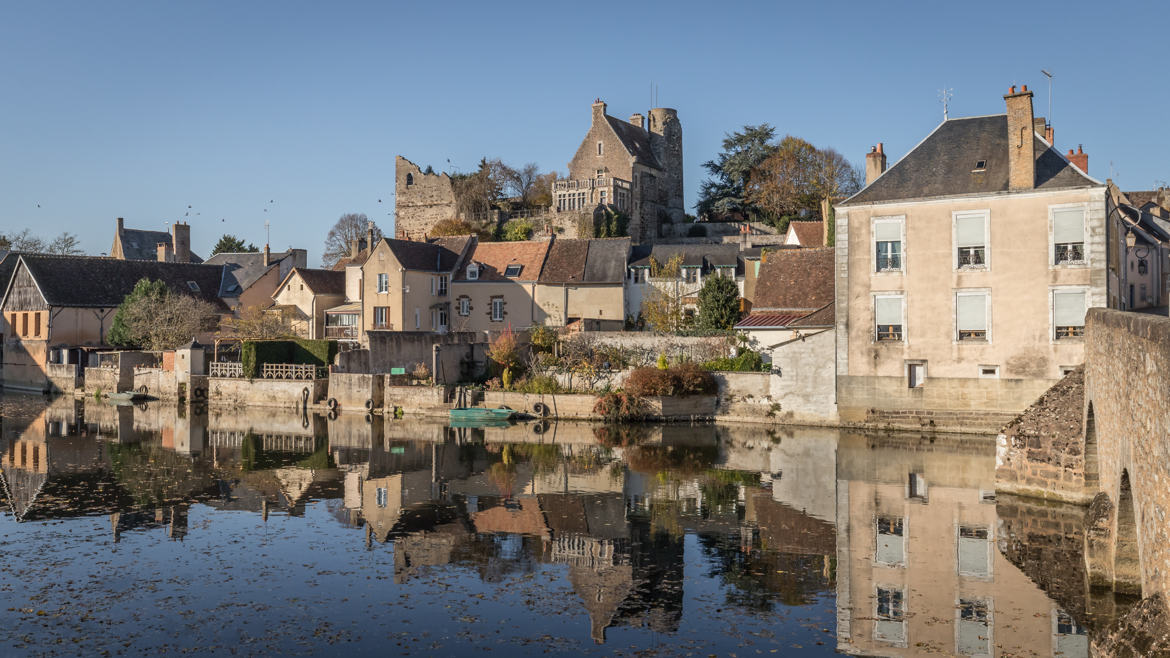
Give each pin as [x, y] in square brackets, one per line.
[274, 393]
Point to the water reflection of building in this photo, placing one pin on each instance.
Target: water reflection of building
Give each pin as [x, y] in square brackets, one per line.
[918, 569]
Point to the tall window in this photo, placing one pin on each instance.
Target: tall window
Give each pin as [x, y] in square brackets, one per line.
[600, 150]
[971, 240]
[497, 309]
[37, 321]
[442, 285]
[1068, 313]
[383, 282]
[971, 316]
[974, 557]
[890, 613]
[974, 633]
[891, 547]
[887, 312]
[382, 494]
[381, 313]
[1068, 235]
[464, 306]
[887, 236]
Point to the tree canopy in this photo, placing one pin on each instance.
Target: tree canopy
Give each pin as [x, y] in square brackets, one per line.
[718, 303]
[230, 244]
[153, 317]
[724, 193]
[349, 227]
[24, 240]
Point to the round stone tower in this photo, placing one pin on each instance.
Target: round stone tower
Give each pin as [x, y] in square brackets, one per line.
[666, 143]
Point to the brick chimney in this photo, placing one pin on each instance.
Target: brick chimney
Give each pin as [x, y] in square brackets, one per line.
[1021, 145]
[164, 253]
[638, 120]
[181, 239]
[1080, 159]
[875, 163]
[370, 236]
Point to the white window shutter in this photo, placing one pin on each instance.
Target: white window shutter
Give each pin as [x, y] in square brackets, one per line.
[888, 310]
[970, 230]
[1068, 308]
[1068, 225]
[887, 231]
[972, 312]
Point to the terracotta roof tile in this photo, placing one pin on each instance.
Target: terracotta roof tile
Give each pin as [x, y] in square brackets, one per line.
[495, 257]
[808, 234]
[795, 280]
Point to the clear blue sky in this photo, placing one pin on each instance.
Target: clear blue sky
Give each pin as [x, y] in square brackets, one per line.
[141, 109]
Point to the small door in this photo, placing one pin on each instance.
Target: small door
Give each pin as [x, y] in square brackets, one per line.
[916, 374]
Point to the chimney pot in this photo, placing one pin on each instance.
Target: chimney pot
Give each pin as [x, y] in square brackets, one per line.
[880, 148]
[1012, 90]
[875, 163]
[1024, 88]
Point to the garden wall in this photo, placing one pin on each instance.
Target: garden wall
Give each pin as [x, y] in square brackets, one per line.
[276, 393]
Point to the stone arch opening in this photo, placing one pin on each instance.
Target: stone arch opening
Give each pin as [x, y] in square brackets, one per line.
[1092, 465]
[410, 179]
[1127, 571]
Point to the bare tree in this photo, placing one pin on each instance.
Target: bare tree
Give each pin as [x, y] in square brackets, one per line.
[65, 244]
[351, 226]
[254, 322]
[23, 241]
[521, 182]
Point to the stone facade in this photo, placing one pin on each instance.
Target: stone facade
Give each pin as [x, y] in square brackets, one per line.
[420, 201]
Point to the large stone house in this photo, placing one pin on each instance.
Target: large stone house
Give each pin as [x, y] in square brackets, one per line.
[964, 271]
[633, 166]
[494, 287]
[140, 244]
[406, 285]
[582, 284]
[303, 297]
[56, 304]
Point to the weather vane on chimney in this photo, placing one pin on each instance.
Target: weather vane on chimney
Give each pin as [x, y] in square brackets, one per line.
[945, 95]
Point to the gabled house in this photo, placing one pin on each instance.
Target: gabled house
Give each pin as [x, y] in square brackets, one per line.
[964, 272]
[250, 279]
[494, 287]
[694, 263]
[1139, 252]
[406, 285]
[140, 244]
[303, 297]
[344, 321]
[794, 294]
[583, 284]
[805, 234]
[56, 304]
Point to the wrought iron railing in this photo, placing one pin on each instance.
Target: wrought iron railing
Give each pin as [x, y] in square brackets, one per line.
[298, 371]
[349, 332]
[226, 369]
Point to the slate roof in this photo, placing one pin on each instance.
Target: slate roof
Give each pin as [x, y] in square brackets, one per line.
[440, 255]
[809, 234]
[495, 257]
[636, 140]
[321, 282]
[140, 244]
[694, 255]
[89, 281]
[795, 280]
[942, 165]
[7, 267]
[358, 260]
[241, 270]
[601, 260]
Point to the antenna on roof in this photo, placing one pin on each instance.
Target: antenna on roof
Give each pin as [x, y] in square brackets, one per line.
[945, 95]
[267, 232]
[1049, 76]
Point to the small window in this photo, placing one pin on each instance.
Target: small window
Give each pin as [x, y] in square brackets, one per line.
[600, 149]
[1068, 313]
[600, 174]
[464, 306]
[24, 325]
[382, 494]
[1066, 370]
[473, 272]
[417, 320]
[915, 374]
[887, 312]
[37, 324]
[691, 274]
[889, 604]
[192, 286]
[916, 489]
[1068, 235]
[409, 179]
[383, 282]
[887, 236]
[989, 372]
[497, 309]
[980, 165]
[513, 270]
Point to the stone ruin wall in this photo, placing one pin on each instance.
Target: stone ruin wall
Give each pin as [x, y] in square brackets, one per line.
[428, 200]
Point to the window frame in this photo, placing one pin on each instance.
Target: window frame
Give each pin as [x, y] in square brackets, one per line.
[383, 283]
[473, 272]
[385, 323]
[972, 292]
[464, 306]
[1053, 291]
[957, 260]
[1085, 260]
[508, 268]
[498, 303]
[873, 244]
[873, 306]
[444, 285]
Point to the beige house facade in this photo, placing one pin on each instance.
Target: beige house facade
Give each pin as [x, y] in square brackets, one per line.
[406, 285]
[495, 287]
[304, 295]
[964, 271]
[583, 283]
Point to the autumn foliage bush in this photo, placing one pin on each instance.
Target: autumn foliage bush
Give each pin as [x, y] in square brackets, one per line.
[682, 379]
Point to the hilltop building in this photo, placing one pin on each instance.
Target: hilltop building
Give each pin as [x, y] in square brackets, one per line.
[139, 244]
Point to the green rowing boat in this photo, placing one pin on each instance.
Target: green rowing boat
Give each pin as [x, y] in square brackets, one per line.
[466, 415]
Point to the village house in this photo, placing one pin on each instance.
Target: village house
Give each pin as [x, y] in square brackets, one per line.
[251, 278]
[303, 297]
[582, 284]
[406, 285]
[1139, 253]
[494, 287]
[343, 322]
[58, 306]
[964, 272]
[678, 270]
[634, 167]
[140, 244]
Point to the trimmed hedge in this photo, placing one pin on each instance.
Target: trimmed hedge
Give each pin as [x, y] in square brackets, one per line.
[255, 353]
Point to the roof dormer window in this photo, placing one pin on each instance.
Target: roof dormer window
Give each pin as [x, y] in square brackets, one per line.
[513, 270]
[473, 272]
[980, 165]
[192, 286]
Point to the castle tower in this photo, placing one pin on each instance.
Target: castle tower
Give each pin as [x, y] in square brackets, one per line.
[666, 144]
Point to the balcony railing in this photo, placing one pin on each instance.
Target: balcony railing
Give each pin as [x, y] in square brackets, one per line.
[589, 184]
[349, 332]
[298, 371]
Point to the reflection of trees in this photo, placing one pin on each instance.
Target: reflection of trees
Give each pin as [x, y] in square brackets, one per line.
[757, 579]
[679, 460]
[154, 476]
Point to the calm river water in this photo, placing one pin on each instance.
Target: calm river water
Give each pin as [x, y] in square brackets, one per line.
[147, 530]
